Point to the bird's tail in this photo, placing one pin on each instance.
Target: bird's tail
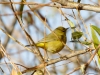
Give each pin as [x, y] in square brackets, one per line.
[29, 45]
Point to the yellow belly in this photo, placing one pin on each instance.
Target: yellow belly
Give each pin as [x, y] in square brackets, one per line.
[53, 46]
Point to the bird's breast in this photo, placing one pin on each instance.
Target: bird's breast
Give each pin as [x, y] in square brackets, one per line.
[54, 46]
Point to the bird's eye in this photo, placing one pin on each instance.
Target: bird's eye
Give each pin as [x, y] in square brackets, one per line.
[63, 30]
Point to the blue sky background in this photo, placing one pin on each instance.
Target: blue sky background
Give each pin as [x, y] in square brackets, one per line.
[19, 55]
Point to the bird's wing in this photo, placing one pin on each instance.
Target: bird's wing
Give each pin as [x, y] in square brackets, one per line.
[50, 37]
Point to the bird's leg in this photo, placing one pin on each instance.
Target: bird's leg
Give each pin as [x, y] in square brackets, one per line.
[46, 56]
[60, 55]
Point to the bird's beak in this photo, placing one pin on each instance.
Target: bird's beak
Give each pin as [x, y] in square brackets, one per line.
[67, 28]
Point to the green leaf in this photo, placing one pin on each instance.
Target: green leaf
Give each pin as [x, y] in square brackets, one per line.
[86, 42]
[95, 40]
[71, 23]
[96, 29]
[21, 8]
[77, 35]
[94, 37]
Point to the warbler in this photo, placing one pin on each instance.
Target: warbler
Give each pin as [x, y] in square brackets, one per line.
[53, 42]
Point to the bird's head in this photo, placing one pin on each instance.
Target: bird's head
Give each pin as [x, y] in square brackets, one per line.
[60, 30]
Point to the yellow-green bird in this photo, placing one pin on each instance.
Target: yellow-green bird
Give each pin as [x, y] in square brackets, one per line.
[53, 42]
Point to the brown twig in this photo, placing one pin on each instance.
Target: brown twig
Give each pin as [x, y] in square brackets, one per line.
[37, 52]
[53, 61]
[64, 3]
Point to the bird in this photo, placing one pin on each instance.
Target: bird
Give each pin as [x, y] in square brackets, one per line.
[54, 41]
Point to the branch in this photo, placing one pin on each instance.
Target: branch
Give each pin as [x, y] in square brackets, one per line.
[76, 53]
[27, 35]
[79, 6]
[53, 61]
[64, 3]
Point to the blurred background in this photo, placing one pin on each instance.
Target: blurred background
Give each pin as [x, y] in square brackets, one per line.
[35, 27]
